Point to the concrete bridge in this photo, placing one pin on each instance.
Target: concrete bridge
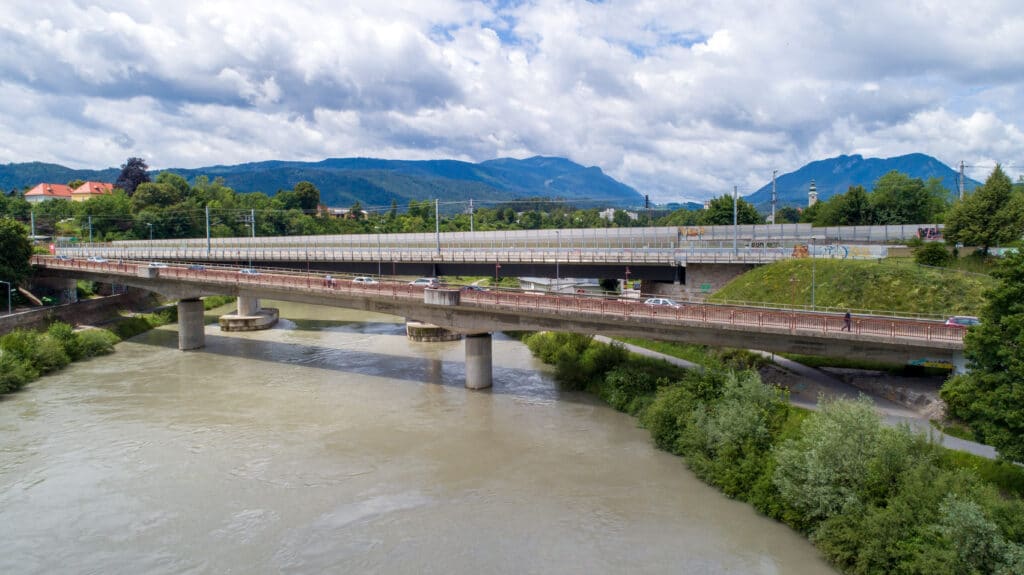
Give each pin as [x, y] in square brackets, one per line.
[696, 258]
[479, 313]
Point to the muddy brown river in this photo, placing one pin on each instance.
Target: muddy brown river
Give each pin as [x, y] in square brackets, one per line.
[333, 444]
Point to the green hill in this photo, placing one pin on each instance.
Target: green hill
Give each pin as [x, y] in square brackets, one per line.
[881, 286]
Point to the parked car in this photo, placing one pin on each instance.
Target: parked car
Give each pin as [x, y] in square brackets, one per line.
[662, 301]
[157, 265]
[469, 288]
[64, 258]
[249, 272]
[366, 280]
[963, 320]
[197, 268]
[97, 259]
[426, 283]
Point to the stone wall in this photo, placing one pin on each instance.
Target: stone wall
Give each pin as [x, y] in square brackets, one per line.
[705, 279]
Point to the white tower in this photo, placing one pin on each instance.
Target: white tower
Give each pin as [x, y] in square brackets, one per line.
[812, 195]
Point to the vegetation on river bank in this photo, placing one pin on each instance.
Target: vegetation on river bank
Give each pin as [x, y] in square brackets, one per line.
[26, 355]
[874, 499]
[882, 285]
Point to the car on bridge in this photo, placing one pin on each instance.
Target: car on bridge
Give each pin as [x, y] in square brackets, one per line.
[158, 265]
[197, 268]
[249, 272]
[97, 259]
[471, 288]
[661, 301]
[963, 320]
[430, 283]
[365, 280]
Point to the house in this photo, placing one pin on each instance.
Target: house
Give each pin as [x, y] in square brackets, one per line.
[345, 213]
[90, 190]
[43, 191]
[609, 214]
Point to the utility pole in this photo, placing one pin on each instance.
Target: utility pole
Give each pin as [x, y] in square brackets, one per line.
[90, 229]
[252, 220]
[33, 214]
[470, 214]
[207, 229]
[961, 180]
[735, 227]
[437, 226]
[775, 196]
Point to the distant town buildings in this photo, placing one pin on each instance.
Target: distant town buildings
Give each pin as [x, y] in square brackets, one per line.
[345, 213]
[45, 191]
[609, 214]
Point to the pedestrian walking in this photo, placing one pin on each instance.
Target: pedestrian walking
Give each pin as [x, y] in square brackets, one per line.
[847, 319]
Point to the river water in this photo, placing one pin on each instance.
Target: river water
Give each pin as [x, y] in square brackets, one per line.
[332, 444]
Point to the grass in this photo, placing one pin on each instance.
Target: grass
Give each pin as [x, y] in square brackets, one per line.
[954, 428]
[698, 354]
[861, 285]
[1009, 478]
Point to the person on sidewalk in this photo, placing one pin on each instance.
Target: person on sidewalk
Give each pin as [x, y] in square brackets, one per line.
[847, 320]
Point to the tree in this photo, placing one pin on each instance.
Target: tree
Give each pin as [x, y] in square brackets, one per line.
[308, 196]
[719, 212]
[787, 215]
[991, 396]
[991, 215]
[900, 199]
[15, 252]
[133, 173]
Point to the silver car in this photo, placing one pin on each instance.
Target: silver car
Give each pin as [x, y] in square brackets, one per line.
[662, 301]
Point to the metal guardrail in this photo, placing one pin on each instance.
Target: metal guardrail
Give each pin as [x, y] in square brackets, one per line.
[581, 306]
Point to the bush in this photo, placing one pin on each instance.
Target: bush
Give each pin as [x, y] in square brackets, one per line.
[14, 373]
[933, 254]
[49, 355]
[67, 337]
[96, 342]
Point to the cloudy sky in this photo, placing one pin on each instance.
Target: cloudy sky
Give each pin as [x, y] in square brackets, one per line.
[679, 99]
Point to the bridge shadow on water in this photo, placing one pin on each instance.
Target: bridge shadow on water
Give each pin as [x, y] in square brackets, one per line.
[523, 383]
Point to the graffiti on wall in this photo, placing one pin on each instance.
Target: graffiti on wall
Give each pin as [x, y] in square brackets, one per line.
[932, 233]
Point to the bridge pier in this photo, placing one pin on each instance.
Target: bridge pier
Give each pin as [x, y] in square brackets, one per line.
[248, 305]
[478, 361]
[959, 362]
[190, 324]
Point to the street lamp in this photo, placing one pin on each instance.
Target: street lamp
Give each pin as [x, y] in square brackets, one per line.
[378, 250]
[150, 231]
[9, 288]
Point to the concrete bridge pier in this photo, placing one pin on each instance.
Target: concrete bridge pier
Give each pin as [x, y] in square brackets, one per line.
[248, 305]
[478, 361]
[190, 324]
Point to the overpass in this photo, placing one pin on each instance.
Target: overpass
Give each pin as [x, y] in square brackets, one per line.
[479, 313]
[691, 256]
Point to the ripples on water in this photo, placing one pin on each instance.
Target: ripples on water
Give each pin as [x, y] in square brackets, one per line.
[332, 444]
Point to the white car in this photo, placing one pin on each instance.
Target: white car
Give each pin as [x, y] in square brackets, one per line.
[366, 280]
[249, 272]
[97, 259]
[662, 301]
[157, 265]
[426, 282]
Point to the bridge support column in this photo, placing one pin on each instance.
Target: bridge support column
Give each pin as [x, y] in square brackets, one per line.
[248, 305]
[478, 361]
[190, 324]
[959, 362]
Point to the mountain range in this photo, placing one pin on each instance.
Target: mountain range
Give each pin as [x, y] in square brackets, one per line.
[374, 182]
[836, 175]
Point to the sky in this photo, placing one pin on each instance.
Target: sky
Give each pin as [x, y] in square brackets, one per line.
[681, 100]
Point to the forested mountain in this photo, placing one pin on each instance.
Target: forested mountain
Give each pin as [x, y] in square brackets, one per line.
[373, 182]
[836, 175]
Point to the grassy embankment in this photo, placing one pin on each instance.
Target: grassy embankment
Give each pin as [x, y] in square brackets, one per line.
[874, 499]
[26, 355]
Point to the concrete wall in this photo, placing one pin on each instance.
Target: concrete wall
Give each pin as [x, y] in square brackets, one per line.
[709, 278]
[84, 312]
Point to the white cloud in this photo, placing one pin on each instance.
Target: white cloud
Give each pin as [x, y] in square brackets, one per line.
[680, 99]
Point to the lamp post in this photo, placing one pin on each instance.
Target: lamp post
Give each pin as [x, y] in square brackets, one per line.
[735, 220]
[378, 250]
[497, 268]
[9, 288]
[150, 231]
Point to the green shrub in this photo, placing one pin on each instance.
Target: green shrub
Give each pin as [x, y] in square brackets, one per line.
[933, 254]
[96, 342]
[49, 355]
[14, 373]
[67, 337]
[215, 301]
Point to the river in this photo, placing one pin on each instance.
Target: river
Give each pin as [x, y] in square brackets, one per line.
[332, 444]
